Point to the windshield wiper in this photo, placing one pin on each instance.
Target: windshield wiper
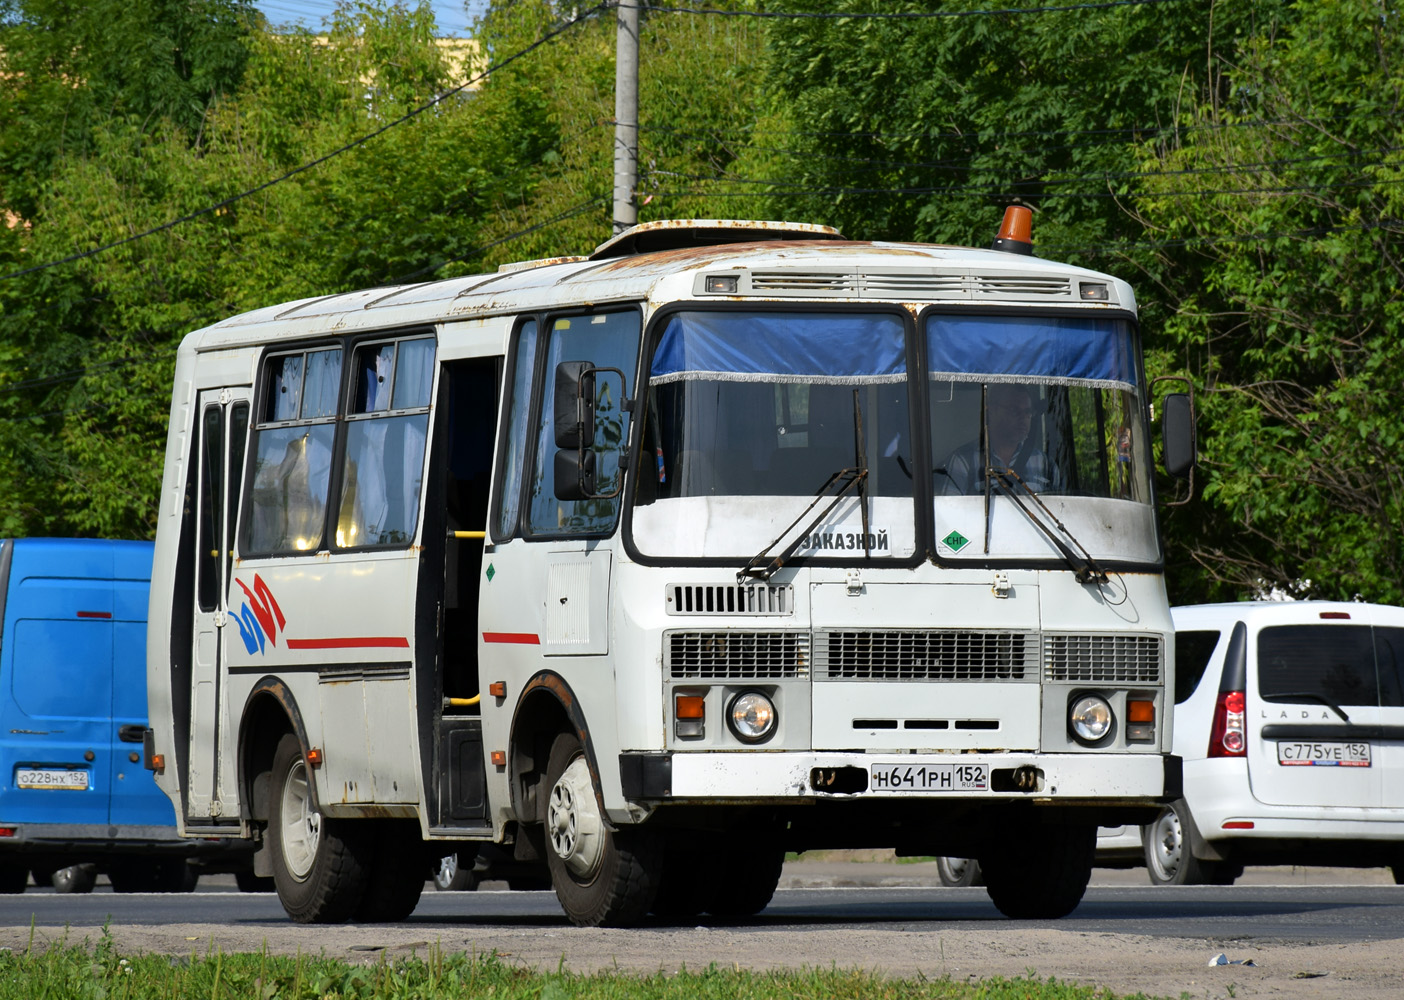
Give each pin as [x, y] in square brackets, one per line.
[1313, 696]
[1085, 568]
[845, 479]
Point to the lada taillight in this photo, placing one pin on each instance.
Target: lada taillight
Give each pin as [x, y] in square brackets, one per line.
[1228, 737]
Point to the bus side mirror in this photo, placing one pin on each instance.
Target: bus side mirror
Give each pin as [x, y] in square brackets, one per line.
[574, 412]
[575, 475]
[1177, 434]
[575, 403]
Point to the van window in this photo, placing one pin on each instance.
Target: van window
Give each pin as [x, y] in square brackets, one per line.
[1299, 663]
[1192, 652]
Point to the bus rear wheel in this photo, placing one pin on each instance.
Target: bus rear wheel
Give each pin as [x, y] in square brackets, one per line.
[749, 873]
[319, 865]
[1041, 874]
[602, 877]
[399, 869]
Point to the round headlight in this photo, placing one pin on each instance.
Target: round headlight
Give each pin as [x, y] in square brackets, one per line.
[1090, 718]
[751, 717]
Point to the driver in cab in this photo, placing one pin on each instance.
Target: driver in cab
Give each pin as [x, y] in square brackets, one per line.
[1009, 416]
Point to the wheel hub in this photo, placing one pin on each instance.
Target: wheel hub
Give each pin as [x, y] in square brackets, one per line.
[573, 822]
[301, 823]
[1168, 843]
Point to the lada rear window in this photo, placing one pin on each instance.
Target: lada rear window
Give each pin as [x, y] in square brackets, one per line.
[1314, 663]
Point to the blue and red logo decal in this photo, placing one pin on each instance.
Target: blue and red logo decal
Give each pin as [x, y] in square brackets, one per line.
[260, 620]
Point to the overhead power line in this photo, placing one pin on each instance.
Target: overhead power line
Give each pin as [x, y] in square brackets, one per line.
[355, 143]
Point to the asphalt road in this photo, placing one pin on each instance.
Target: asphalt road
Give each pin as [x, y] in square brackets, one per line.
[1296, 903]
[1314, 934]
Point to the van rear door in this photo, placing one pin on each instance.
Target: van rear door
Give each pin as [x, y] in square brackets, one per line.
[56, 674]
[1314, 712]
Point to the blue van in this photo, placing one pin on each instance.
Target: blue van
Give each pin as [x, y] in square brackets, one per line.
[75, 799]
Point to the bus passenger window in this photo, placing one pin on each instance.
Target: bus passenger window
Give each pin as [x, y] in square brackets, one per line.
[292, 452]
[384, 469]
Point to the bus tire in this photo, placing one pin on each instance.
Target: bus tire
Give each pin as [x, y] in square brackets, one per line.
[602, 877]
[1042, 874]
[687, 878]
[247, 881]
[319, 864]
[398, 871]
[748, 875]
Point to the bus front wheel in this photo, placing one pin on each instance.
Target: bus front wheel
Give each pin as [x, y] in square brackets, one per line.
[319, 865]
[602, 877]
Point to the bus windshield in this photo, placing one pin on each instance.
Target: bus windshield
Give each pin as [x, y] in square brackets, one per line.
[1042, 405]
[747, 417]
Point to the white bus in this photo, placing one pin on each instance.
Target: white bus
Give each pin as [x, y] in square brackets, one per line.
[653, 565]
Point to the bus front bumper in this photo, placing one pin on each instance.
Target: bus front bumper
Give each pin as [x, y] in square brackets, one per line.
[726, 776]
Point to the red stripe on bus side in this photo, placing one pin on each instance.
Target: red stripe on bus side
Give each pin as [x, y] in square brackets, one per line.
[371, 642]
[95, 614]
[521, 638]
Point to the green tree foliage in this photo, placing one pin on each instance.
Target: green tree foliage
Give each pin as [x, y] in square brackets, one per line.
[68, 70]
[692, 69]
[90, 343]
[1277, 220]
[400, 187]
[925, 127]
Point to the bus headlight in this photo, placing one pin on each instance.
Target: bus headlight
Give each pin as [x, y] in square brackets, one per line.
[751, 717]
[1090, 718]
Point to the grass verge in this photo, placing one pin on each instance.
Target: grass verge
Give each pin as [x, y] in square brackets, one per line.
[61, 972]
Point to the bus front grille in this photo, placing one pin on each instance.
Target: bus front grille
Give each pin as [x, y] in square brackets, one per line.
[922, 655]
[736, 655]
[1102, 659]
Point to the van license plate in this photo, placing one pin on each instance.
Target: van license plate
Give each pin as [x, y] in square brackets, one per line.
[1323, 754]
[63, 779]
[929, 778]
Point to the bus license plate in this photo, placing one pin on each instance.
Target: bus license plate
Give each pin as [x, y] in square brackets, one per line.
[929, 777]
[52, 777]
[1323, 754]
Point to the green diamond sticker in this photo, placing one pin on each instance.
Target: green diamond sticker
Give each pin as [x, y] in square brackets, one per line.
[955, 541]
[490, 572]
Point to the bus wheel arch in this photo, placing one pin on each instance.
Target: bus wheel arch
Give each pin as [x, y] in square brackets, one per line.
[546, 709]
[270, 712]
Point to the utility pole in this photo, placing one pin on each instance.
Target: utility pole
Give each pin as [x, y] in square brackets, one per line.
[626, 114]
